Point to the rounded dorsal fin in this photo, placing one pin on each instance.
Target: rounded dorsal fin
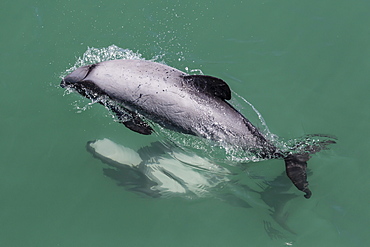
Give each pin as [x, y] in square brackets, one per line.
[209, 85]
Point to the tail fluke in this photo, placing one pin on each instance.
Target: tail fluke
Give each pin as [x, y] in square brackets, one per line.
[296, 162]
[296, 165]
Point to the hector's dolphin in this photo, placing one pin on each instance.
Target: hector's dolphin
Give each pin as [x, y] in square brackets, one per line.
[191, 104]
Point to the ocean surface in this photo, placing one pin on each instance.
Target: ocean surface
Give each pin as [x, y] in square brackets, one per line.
[303, 65]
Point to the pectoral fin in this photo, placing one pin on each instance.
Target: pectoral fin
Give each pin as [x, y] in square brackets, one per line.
[129, 118]
[138, 125]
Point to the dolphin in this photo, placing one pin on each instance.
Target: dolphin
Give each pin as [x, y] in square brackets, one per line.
[138, 90]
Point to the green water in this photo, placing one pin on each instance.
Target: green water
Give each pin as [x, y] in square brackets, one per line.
[303, 64]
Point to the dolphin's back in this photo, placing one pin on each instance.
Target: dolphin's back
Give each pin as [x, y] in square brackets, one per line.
[127, 79]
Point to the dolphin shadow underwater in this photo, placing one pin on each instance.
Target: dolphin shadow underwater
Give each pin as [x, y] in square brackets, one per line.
[139, 92]
[158, 170]
[162, 170]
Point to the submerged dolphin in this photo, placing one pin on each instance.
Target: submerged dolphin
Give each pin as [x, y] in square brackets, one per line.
[158, 170]
[191, 104]
[163, 170]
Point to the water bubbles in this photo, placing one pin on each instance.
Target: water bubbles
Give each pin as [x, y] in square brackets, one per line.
[97, 55]
[67, 91]
[81, 109]
[265, 130]
[194, 71]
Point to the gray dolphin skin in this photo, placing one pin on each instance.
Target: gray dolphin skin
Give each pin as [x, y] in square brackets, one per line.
[190, 104]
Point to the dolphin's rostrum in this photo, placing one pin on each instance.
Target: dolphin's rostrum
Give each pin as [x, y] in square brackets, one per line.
[191, 104]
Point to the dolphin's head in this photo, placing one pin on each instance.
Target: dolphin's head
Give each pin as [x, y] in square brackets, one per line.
[77, 76]
[77, 81]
